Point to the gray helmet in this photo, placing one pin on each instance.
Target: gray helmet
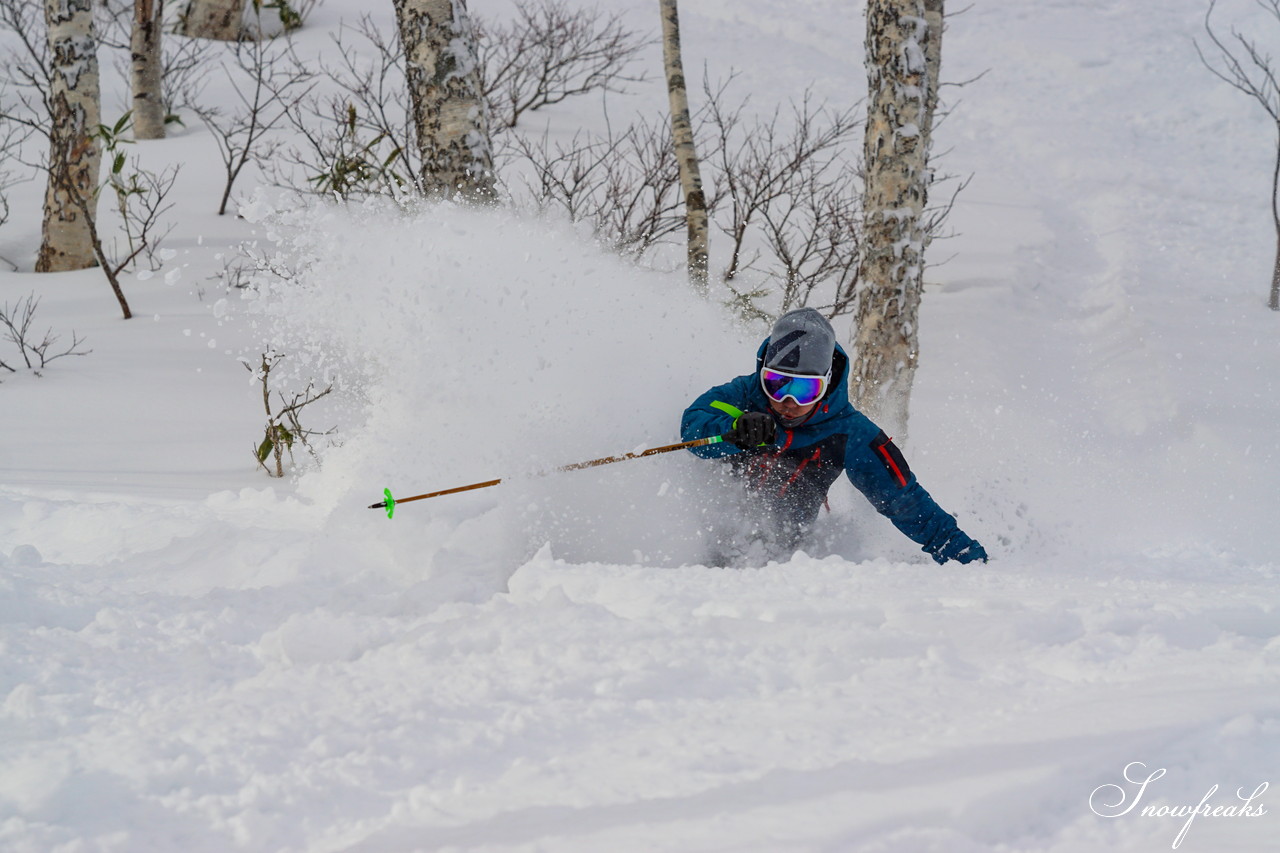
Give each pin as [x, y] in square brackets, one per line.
[802, 341]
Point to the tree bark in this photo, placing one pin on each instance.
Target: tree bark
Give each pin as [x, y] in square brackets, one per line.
[146, 69]
[74, 155]
[449, 112]
[933, 19]
[695, 202]
[213, 19]
[903, 60]
[1274, 302]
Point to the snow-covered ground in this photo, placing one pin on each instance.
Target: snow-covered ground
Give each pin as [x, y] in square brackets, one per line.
[195, 657]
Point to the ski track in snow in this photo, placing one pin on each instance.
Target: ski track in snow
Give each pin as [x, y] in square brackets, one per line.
[192, 660]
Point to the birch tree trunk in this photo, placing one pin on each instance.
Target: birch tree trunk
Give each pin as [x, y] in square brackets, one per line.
[933, 19]
[695, 202]
[74, 156]
[213, 19]
[146, 68]
[1274, 301]
[449, 112]
[904, 40]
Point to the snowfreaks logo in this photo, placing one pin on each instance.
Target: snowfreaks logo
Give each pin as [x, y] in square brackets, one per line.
[1113, 801]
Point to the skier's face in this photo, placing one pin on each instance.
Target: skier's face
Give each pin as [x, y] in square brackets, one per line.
[790, 410]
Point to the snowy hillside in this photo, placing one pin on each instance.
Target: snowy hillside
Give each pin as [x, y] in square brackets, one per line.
[196, 657]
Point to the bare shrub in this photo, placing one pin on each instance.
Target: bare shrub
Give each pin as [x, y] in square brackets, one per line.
[269, 81]
[788, 200]
[358, 140]
[284, 426]
[780, 189]
[552, 52]
[36, 351]
[141, 199]
[11, 138]
[186, 64]
[625, 186]
[26, 73]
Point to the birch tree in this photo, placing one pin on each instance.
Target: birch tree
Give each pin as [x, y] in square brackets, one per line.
[449, 113]
[1247, 66]
[74, 154]
[903, 51]
[213, 19]
[686, 153]
[146, 69]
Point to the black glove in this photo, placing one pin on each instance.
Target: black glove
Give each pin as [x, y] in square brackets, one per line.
[752, 429]
[960, 548]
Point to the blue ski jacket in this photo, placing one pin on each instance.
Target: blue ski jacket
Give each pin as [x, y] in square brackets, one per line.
[872, 462]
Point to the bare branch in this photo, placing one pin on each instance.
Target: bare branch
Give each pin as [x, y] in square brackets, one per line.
[269, 81]
[284, 425]
[141, 199]
[552, 52]
[16, 323]
[1248, 68]
[358, 140]
[787, 187]
[12, 136]
[626, 186]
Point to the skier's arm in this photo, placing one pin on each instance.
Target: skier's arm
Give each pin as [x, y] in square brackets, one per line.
[715, 413]
[878, 469]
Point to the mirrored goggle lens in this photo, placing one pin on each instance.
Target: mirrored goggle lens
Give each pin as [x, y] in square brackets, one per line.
[803, 389]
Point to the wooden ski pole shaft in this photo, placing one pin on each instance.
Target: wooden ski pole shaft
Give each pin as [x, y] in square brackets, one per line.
[390, 503]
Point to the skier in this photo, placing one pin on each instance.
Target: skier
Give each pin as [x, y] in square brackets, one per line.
[790, 430]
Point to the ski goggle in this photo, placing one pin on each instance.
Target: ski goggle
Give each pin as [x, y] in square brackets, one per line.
[805, 390]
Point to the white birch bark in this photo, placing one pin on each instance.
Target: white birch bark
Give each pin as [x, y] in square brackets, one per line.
[686, 154]
[449, 112]
[213, 19]
[903, 59]
[74, 154]
[145, 69]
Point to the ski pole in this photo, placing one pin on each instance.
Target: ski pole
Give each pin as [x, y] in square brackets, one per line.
[390, 503]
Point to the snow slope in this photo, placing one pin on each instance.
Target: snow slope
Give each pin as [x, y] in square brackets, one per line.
[194, 657]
